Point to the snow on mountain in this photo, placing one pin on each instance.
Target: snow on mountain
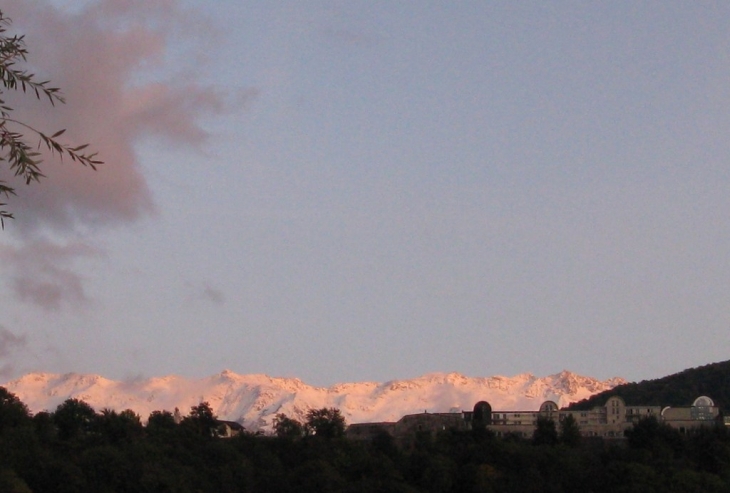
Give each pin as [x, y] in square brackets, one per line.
[254, 400]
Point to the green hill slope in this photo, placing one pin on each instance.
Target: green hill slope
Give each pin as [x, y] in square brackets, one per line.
[680, 389]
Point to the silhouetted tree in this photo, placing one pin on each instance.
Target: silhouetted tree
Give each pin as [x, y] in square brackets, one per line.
[286, 427]
[161, 422]
[569, 431]
[13, 412]
[201, 420]
[11, 483]
[73, 417]
[325, 422]
[545, 432]
[45, 428]
[116, 427]
[648, 433]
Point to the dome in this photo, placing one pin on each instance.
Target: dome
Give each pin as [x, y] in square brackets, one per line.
[703, 401]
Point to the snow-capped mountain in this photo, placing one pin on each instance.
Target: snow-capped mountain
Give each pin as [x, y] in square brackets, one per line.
[254, 400]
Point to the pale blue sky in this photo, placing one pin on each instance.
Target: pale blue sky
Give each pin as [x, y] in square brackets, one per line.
[396, 188]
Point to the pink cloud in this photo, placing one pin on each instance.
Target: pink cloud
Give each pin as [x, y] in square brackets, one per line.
[112, 63]
[98, 57]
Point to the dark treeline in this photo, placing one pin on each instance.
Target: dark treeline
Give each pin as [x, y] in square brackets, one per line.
[680, 389]
[76, 449]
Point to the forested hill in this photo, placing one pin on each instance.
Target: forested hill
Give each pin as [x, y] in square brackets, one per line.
[680, 389]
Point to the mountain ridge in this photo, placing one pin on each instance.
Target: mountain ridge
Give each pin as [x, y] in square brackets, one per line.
[254, 399]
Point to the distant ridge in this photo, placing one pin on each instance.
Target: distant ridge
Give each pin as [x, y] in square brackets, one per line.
[679, 389]
[254, 400]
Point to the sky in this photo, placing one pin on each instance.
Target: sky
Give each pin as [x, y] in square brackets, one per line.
[372, 190]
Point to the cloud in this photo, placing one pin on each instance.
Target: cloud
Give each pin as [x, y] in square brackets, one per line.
[10, 344]
[197, 291]
[42, 273]
[109, 61]
[213, 295]
[118, 65]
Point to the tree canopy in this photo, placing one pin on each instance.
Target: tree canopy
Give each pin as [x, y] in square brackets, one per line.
[679, 389]
[286, 427]
[201, 420]
[76, 449]
[325, 422]
[17, 151]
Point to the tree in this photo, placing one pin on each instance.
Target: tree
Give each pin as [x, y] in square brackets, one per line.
[325, 422]
[545, 432]
[23, 159]
[117, 427]
[11, 483]
[161, 422]
[286, 427]
[45, 428]
[73, 417]
[201, 420]
[12, 411]
[569, 431]
[658, 437]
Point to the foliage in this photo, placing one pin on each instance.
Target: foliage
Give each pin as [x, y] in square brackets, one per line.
[680, 389]
[545, 432]
[325, 422]
[116, 427]
[23, 159]
[161, 422]
[286, 427]
[201, 420]
[569, 431]
[103, 456]
[44, 427]
[11, 483]
[73, 417]
[13, 412]
[659, 438]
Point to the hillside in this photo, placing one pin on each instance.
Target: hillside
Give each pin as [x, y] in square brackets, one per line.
[679, 389]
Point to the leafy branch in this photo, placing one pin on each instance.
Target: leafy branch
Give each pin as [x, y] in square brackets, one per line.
[23, 160]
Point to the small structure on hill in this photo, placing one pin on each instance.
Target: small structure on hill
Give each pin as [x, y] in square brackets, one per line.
[227, 429]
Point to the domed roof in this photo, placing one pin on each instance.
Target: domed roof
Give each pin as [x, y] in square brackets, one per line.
[703, 401]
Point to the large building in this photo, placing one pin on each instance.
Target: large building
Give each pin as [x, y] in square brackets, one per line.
[608, 421]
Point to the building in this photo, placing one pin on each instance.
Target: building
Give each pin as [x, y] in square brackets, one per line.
[227, 429]
[608, 421]
[406, 429]
[702, 412]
